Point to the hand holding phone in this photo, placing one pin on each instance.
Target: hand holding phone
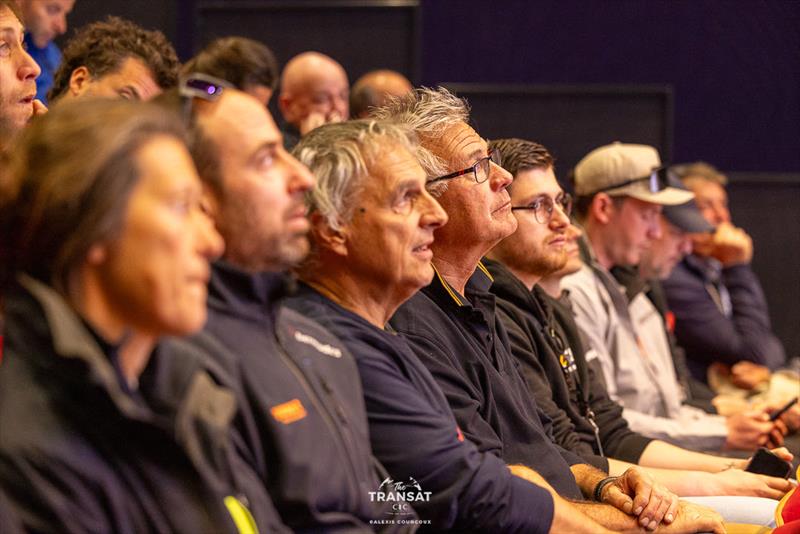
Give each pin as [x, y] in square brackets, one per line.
[764, 462]
[783, 409]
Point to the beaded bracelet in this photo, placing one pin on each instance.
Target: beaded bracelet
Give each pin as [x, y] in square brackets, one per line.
[598, 489]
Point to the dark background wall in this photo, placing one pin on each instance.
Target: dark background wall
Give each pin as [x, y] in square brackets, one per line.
[717, 80]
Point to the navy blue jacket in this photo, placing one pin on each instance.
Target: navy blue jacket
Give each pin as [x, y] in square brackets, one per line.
[304, 418]
[81, 453]
[705, 332]
[466, 348]
[414, 434]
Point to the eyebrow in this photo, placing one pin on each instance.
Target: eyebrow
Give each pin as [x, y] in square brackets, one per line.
[133, 90]
[270, 145]
[10, 31]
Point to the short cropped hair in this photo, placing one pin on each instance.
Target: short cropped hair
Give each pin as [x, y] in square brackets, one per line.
[363, 99]
[242, 62]
[699, 170]
[67, 184]
[340, 155]
[103, 46]
[429, 113]
[520, 155]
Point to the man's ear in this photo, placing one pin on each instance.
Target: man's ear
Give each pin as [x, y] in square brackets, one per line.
[79, 80]
[326, 237]
[284, 105]
[602, 208]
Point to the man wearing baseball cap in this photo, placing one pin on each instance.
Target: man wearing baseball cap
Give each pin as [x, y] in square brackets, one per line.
[621, 190]
[678, 224]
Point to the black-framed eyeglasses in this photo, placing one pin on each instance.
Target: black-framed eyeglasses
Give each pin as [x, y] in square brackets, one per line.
[480, 169]
[543, 207]
[199, 85]
[657, 181]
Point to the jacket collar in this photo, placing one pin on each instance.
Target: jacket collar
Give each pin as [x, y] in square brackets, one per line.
[72, 340]
[175, 387]
[442, 292]
[511, 289]
[245, 294]
[629, 277]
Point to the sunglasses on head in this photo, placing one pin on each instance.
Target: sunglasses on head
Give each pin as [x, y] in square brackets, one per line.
[202, 86]
[657, 181]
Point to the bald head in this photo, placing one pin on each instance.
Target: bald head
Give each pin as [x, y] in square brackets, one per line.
[375, 88]
[314, 91]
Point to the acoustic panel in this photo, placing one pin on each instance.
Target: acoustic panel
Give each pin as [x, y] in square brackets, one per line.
[571, 120]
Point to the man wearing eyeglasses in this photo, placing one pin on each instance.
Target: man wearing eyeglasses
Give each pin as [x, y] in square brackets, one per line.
[546, 343]
[453, 327]
[621, 189]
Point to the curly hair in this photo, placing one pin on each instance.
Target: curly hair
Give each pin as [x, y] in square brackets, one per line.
[103, 46]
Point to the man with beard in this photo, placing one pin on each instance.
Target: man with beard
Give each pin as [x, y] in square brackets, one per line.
[621, 190]
[302, 410]
[453, 327]
[545, 341]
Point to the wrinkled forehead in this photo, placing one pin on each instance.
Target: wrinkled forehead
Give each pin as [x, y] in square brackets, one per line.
[9, 21]
[394, 165]
[238, 120]
[459, 145]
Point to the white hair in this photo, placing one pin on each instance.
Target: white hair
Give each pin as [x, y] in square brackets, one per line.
[429, 113]
[340, 156]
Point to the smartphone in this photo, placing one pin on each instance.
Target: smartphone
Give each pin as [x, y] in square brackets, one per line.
[783, 409]
[764, 462]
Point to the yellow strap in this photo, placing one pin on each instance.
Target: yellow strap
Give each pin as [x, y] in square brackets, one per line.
[447, 286]
[242, 517]
[483, 268]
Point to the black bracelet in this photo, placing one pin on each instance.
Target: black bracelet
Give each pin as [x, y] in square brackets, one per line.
[598, 489]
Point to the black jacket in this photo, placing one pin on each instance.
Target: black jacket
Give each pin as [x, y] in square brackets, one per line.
[414, 433]
[564, 392]
[466, 348]
[304, 419]
[80, 452]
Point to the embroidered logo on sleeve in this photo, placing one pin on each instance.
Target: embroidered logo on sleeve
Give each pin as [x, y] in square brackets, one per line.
[288, 412]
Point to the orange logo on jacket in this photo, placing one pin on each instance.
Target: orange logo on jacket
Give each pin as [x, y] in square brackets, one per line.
[288, 412]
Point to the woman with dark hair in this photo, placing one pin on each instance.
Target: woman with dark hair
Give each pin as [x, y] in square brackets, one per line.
[105, 248]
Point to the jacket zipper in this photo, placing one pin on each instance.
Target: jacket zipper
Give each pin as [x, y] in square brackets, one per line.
[353, 478]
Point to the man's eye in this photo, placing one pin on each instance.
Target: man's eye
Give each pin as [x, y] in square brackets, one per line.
[4, 49]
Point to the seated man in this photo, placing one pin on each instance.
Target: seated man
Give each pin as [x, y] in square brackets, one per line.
[45, 20]
[247, 64]
[620, 196]
[314, 91]
[374, 89]
[720, 310]
[18, 72]
[452, 325]
[545, 341]
[303, 416]
[115, 58]
[658, 261]
[370, 196]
